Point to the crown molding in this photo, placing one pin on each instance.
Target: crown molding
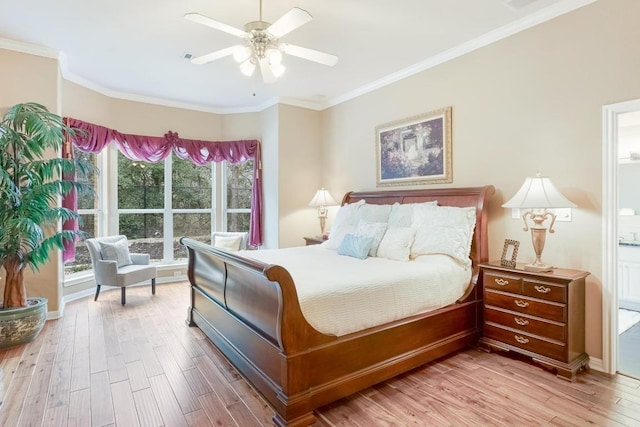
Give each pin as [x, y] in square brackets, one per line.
[541, 16]
[29, 48]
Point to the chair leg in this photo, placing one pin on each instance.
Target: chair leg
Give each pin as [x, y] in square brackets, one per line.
[97, 293]
[153, 286]
[123, 298]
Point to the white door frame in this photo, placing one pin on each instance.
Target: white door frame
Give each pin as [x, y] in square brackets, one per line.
[610, 115]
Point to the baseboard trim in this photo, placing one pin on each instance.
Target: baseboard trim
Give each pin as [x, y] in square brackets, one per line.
[596, 364]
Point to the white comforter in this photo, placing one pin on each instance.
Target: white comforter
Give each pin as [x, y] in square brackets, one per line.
[340, 294]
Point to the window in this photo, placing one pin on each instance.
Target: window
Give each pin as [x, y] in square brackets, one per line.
[238, 189]
[157, 203]
[192, 200]
[88, 208]
[141, 206]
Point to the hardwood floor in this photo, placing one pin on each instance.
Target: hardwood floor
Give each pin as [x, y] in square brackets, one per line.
[103, 364]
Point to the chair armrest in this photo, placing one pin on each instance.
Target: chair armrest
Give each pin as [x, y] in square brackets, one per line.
[140, 259]
[105, 272]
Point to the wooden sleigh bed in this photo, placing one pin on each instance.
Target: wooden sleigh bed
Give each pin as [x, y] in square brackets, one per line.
[250, 311]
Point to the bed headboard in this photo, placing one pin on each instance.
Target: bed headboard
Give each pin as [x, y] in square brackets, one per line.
[477, 197]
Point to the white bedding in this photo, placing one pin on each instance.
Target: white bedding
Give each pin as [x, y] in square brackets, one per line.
[340, 294]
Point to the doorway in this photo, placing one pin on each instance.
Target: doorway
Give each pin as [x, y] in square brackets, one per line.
[621, 238]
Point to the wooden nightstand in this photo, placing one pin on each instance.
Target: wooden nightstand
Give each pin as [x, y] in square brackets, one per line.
[313, 240]
[540, 315]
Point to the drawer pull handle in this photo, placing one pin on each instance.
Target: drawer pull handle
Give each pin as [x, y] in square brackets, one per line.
[501, 282]
[520, 321]
[521, 304]
[521, 340]
[542, 289]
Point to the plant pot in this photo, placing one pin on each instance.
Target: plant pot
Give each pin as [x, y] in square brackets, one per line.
[20, 325]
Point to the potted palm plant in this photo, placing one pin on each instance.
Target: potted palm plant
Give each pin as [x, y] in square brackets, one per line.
[32, 179]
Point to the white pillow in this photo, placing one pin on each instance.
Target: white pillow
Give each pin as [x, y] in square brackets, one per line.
[401, 215]
[373, 230]
[116, 251]
[227, 243]
[396, 243]
[373, 213]
[345, 216]
[336, 236]
[444, 230]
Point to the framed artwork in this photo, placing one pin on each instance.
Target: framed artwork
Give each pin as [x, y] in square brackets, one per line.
[416, 150]
[509, 253]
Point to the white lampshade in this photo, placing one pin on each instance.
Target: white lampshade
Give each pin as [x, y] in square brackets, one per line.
[277, 69]
[274, 56]
[247, 67]
[539, 193]
[322, 198]
[241, 53]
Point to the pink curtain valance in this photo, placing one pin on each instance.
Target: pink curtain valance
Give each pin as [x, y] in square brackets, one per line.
[94, 138]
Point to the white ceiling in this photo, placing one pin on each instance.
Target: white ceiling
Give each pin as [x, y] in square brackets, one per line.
[134, 49]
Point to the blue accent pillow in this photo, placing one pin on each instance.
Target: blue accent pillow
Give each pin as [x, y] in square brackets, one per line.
[355, 246]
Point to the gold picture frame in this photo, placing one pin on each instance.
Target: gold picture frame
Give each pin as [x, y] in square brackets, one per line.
[416, 150]
[509, 253]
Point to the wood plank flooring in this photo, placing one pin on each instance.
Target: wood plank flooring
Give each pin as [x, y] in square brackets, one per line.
[103, 364]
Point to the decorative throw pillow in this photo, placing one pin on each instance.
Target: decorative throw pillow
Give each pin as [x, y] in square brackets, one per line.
[336, 236]
[345, 216]
[444, 230]
[116, 251]
[396, 243]
[355, 246]
[375, 230]
[401, 215]
[372, 213]
[227, 243]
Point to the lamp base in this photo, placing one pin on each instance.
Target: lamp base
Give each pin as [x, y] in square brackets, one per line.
[538, 268]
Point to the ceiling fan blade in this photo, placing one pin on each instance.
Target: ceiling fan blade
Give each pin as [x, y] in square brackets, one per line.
[265, 70]
[205, 20]
[203, 59]
[288, 22]
[310, 54]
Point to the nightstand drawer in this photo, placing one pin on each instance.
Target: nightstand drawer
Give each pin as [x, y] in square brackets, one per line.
[548, 291]
[554, 350]
[502, 282]
[546, 310]
[531, 325]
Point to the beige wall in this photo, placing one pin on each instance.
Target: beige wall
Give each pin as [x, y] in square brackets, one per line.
[27, 78]
[532, 102]
[299, 161]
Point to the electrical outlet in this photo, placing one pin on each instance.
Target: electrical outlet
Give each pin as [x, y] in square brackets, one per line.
[177, 273]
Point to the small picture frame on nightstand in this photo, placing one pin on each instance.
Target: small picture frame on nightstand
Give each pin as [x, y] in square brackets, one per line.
[509, 253]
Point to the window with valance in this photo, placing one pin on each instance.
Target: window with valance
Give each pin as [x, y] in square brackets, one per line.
[92, 138]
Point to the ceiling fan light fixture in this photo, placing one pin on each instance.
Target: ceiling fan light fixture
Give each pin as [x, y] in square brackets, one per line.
[262, 46]
[248, 67]
[274, 56]
[241, 53]
[277, 69]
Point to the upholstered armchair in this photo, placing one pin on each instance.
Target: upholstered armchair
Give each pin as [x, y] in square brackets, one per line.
[230, 240]
[113, 265]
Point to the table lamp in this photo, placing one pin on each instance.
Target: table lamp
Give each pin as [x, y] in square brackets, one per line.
[321, 200]
[537, 195]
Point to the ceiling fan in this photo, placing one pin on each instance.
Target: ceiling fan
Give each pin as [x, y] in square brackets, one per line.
[262, 45]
